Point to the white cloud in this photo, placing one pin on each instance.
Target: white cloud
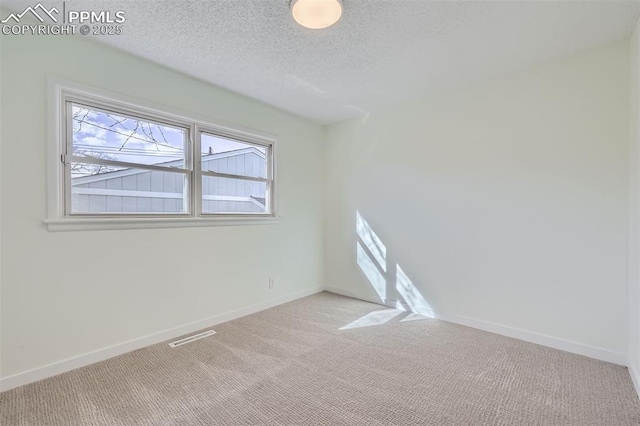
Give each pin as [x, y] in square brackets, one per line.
[91, 140]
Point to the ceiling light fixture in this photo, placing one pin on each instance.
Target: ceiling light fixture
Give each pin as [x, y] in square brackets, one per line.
[316, 14]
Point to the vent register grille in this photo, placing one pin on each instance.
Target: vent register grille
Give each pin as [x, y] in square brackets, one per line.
[192, 338]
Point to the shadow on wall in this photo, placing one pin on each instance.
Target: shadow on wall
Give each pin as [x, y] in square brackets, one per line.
[388, 279]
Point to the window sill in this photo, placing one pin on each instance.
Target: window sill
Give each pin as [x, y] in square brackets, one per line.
[102, 223]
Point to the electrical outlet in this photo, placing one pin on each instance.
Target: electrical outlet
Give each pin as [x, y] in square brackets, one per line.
[271, 283]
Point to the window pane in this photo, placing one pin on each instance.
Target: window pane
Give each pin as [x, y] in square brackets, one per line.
[232, 157]
[225, 195]
[106, 190]
[116, 137]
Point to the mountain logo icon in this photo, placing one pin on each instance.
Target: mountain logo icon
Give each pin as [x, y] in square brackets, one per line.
[43, 11]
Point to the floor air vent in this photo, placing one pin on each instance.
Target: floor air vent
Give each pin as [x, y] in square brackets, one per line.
[192, 338]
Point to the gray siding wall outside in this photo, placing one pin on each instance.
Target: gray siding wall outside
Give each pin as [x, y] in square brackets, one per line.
[163, 192]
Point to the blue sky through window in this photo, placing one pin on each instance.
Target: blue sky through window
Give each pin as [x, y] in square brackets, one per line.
[116, 137]
[111, 136]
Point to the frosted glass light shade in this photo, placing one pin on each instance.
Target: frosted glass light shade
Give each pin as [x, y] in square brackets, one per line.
[316, 14]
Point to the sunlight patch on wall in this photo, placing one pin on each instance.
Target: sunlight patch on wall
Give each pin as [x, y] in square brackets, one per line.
[411, 295]
[370, 239]
[372, 273]
[372, 260]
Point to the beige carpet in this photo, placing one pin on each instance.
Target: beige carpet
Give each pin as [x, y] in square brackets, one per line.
[297, 365]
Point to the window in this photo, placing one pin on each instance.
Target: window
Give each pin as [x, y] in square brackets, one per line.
[234, 175]
[120, 163]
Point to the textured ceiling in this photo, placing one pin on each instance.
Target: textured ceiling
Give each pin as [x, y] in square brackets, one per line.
[381, 51]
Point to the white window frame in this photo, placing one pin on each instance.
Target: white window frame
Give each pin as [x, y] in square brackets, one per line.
[59, 215]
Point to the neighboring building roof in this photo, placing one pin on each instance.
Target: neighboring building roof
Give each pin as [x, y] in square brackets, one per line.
[174, 163]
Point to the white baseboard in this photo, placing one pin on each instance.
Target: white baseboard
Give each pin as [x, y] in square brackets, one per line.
[541, 339]
[516, 333]
[354, 295]
[635, 377]
[63, 366]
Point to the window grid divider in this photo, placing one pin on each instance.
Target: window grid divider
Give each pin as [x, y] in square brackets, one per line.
[197, 167]
[125, 164]
[233, 176]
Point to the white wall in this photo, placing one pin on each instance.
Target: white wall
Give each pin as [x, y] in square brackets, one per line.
[503, 202]
[1, 237]
[64, 294]
[634, 212]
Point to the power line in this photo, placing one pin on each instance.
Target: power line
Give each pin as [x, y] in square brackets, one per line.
[126, 151]
[130, 136]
